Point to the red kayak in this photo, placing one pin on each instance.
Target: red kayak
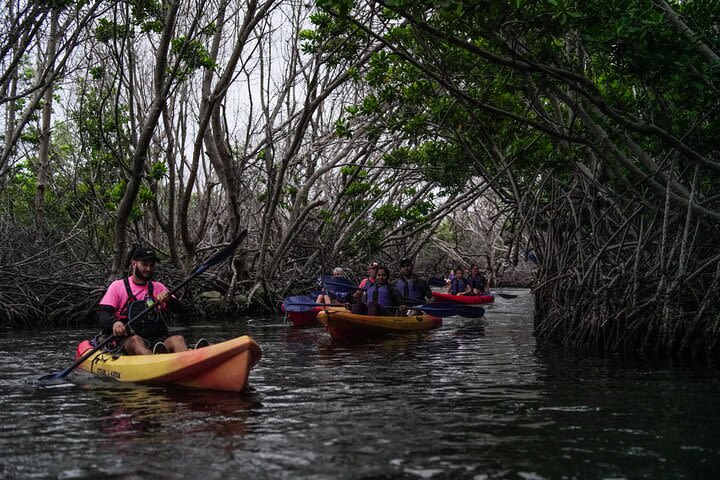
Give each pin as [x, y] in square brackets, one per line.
[474, 299]
[304, 319]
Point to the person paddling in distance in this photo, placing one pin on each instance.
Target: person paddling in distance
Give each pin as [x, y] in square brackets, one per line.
[459, 285]
[450, 277]
[331, 296]
[415, 289]
[131, 295]
[476, 280]
[367, 281]
[381, 298]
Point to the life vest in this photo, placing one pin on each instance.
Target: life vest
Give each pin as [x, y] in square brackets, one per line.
[476, 282]
[151, 325]
[458, 285]
[409, 289]
[379, 294]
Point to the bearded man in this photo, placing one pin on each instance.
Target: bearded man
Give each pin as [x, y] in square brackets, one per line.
[127, 297]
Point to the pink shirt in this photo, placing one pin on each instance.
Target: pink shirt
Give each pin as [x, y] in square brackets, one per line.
[116, 295]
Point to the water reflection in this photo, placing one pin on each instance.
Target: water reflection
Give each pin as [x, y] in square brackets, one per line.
[131, 412]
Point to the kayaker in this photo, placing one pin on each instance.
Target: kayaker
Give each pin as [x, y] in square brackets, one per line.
[367, 281]
[451, 276]
[130, 295]
[330, 296]
[476, 280]
[380, 298]
[458, 285]
[411, 286]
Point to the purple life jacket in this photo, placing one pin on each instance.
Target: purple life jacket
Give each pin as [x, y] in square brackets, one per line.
[379, 294]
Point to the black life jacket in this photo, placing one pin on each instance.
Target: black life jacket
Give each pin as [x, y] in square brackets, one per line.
[151, 325]
[409, 289]
[458, 285]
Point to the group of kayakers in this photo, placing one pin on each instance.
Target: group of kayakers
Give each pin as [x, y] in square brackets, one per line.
[148, 333]
[474, 284]
[376, 295]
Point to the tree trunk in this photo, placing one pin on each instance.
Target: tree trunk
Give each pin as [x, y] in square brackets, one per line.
[43, 168]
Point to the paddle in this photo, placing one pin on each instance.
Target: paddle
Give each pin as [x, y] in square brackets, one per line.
[294, 304]
[210, 262]
[440, 309]
[341, 284]
[436, 310]
[303, 303]
[447, 309]
[502, 295]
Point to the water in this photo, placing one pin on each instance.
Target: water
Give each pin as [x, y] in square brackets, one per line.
[473, 399]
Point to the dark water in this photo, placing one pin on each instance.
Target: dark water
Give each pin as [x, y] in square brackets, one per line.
[474, 399]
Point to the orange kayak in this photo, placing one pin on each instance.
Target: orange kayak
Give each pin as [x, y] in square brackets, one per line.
[346, 326]
[222, 366]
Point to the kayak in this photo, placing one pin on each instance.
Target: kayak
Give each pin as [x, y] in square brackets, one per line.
[345, 326]
[475, 299]
[223, 366]
[303, 319]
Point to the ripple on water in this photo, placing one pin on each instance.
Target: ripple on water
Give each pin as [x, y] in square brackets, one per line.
[468, 400]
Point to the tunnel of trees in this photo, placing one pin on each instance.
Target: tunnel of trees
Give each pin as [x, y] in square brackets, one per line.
[576, 140]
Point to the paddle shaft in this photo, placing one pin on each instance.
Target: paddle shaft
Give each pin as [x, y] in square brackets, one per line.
[310, 305]
[214, 260]
[435, 309]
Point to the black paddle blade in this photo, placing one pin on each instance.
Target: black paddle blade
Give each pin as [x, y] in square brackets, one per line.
[504, 295]
[222, 254]
[469, 311]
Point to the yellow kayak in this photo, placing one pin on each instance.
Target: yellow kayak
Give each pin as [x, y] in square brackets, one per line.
[345, 326]
[222, 366]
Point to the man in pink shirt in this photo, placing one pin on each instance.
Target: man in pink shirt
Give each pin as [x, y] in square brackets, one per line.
[129, 296]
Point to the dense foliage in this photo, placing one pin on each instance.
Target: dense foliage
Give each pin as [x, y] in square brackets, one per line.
[596, 123]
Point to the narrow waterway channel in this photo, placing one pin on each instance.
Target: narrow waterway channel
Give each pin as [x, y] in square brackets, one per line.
[473, 399]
